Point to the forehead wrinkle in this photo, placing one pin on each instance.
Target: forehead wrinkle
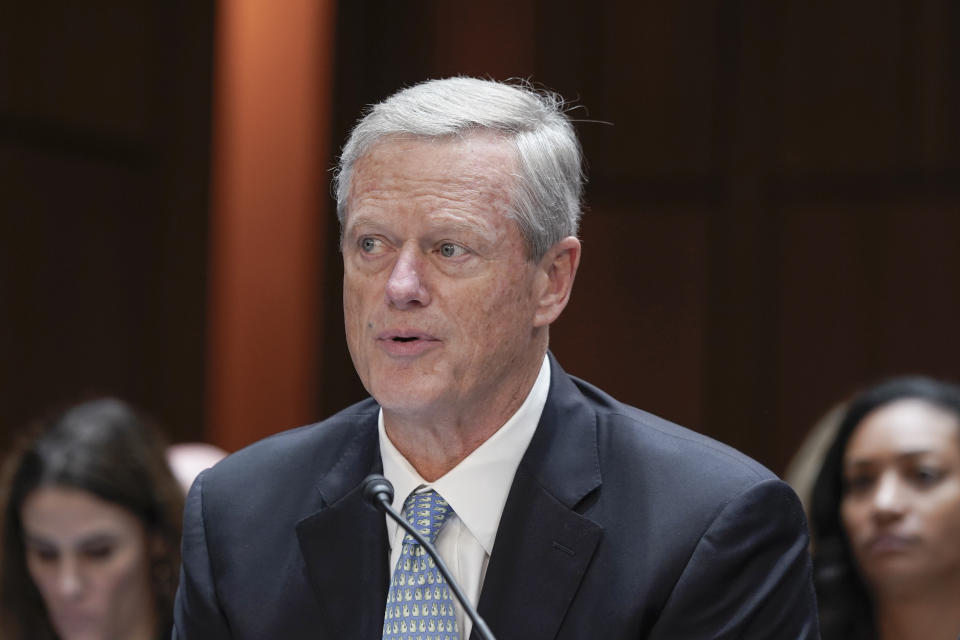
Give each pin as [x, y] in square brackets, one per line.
[468, 190]
[462, 219]
[459, 213]
[356, 220]
[481, 177]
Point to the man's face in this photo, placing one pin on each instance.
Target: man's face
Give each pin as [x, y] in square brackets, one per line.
[439, 299]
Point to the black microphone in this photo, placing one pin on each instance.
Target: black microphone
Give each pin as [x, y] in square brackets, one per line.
[378, 491]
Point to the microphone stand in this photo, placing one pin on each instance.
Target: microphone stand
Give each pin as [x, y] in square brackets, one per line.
[379, 492]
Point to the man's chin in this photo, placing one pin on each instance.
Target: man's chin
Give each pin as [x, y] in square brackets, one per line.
[406, 399]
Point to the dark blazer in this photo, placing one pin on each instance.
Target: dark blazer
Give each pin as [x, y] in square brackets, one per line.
[618, 525]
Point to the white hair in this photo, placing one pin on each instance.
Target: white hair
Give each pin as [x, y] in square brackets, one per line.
[549, 184]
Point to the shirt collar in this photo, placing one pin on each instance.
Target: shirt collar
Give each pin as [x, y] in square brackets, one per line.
[477, 487]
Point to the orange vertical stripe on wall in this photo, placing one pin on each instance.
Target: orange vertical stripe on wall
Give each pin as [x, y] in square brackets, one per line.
[273, 76]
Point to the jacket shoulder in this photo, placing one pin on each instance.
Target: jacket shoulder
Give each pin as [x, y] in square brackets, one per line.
[301, 456]
[639, 440]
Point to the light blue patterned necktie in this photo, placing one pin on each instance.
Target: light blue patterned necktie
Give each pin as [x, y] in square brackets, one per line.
[420, 604]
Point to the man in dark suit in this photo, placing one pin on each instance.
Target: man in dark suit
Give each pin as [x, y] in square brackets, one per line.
[563, 513]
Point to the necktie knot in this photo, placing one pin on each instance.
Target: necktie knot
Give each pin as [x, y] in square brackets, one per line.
[426, 512]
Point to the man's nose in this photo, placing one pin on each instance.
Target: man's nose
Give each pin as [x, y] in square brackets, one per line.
[888, 498]
[406, 286]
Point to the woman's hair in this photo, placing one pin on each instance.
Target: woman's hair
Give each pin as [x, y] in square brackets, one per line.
[106, 448]
[549, 181]
[846, 609]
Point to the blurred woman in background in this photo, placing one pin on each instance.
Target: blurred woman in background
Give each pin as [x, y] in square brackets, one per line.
[885, 516]
[91, 517]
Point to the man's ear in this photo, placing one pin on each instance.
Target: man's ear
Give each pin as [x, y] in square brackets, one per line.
[555, 275]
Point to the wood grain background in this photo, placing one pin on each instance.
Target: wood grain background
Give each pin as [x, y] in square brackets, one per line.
[772, 217]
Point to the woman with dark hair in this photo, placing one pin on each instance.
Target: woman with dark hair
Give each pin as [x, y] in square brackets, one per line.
[885, 516]
[91, 517]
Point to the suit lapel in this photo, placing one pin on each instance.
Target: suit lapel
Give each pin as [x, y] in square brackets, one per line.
[344, 546]
[543, 545]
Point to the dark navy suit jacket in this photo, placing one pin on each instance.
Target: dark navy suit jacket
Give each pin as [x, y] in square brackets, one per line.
[618, 525]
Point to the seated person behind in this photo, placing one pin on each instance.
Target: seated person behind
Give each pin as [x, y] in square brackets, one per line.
[90, 529]
[886, 516]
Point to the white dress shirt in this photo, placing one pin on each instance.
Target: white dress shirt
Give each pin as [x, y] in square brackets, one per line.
[476, 489]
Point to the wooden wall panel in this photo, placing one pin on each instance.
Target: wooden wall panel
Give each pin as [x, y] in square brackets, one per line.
[267, 218]
[866, 292]
[634, 324]
[104, 143]
[844, 84]
[771, 210]
[483, 39]
[79, 314]
[60, 64]
[656, 76]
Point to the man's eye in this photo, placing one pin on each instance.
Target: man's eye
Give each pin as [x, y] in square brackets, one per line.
[369, 245]
[451, 250]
